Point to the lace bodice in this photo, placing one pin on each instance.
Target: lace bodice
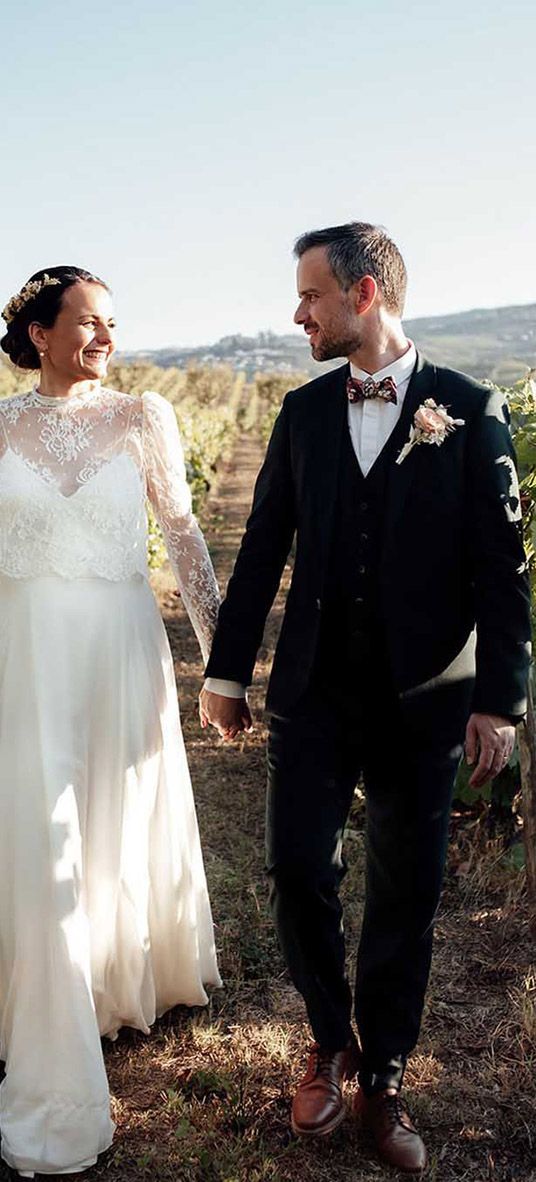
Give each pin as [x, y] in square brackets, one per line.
[75, 474]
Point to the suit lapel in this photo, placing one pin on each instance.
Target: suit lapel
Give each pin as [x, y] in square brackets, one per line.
[422, 385]
[329, 426]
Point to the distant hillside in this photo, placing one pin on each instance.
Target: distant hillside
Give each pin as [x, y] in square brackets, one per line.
[496, 343]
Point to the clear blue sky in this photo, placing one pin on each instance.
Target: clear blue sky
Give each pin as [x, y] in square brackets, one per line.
[177, 149]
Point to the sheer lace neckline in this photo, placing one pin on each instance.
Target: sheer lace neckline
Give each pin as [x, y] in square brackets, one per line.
[61, 401]
[114, 449]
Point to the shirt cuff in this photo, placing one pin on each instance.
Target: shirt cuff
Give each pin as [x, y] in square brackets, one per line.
[228, 689]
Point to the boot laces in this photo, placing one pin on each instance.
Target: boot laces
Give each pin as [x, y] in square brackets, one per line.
[322, 1060]
[396, 1110]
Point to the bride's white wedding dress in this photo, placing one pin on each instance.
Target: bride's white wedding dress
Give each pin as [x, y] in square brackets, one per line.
[104, 913]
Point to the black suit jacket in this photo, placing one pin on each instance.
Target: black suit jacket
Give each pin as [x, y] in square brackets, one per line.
[452, 553]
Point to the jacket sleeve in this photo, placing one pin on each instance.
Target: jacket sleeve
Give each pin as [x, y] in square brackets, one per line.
[259, 565]
[497, 558]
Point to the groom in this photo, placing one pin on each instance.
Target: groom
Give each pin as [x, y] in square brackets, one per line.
[378, 671]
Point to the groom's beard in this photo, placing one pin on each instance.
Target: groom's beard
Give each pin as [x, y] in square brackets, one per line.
[328, 346]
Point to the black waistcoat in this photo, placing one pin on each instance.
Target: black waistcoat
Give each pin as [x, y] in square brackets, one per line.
[351, 629]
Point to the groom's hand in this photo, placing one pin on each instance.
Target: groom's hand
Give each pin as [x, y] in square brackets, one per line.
[491, 739]
[228, 715]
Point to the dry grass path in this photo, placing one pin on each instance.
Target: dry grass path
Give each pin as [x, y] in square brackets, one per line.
[205, 1098]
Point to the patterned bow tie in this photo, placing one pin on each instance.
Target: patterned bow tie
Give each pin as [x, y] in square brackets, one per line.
[359, 391]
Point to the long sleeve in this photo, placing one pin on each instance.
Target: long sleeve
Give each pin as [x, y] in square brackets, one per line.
[502, 595]
[170, 497]
[259, 564]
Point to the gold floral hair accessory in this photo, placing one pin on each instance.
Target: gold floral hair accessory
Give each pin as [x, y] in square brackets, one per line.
[26, 293]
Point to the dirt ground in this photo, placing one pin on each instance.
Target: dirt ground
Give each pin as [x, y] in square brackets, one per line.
[205, 1098]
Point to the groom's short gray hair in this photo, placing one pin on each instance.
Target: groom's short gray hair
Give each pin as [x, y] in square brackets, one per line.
[357, 249]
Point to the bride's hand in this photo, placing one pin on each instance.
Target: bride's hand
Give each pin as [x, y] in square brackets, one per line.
[228, 715]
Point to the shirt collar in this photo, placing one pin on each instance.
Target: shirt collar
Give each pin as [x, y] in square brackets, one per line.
[400, 370]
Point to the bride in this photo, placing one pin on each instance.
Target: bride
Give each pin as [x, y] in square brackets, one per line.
[104, 914]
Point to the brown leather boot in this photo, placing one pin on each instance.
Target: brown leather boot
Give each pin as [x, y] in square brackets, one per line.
[396, 1138]
[318, 1106]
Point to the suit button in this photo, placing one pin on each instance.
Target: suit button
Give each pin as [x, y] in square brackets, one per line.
[364, 537]
[318, 604]
[362, 570]
[359, 600]
[363, 506]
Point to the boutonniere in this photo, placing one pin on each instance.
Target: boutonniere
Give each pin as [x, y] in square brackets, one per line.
[431, 424]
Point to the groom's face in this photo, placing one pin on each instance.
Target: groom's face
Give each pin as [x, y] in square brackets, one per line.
[326, 311]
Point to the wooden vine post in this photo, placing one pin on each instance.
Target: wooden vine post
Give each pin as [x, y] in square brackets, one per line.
[527, 754]
[521, 400]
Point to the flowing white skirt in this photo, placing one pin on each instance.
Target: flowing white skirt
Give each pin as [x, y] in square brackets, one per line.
[104, 914]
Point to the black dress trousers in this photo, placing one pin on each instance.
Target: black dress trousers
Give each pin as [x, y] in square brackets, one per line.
[408, 752]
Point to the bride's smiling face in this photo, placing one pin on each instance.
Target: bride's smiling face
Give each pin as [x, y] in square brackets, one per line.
[82, 340]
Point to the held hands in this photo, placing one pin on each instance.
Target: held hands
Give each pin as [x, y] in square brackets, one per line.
[228, 715]
[492, 740]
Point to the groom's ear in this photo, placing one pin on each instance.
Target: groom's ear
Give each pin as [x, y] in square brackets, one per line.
[364, 291]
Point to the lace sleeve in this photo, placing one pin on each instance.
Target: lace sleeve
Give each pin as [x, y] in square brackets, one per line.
[171, 500]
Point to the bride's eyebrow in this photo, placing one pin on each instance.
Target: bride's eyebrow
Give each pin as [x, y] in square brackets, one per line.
[93, 316]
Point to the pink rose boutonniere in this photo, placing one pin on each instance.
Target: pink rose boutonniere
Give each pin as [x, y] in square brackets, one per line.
[431, 424]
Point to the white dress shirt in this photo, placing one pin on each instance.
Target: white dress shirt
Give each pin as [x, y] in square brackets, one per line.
[371, 422]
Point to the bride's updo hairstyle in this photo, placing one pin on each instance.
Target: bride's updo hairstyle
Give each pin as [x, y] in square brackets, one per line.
[39, 300]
